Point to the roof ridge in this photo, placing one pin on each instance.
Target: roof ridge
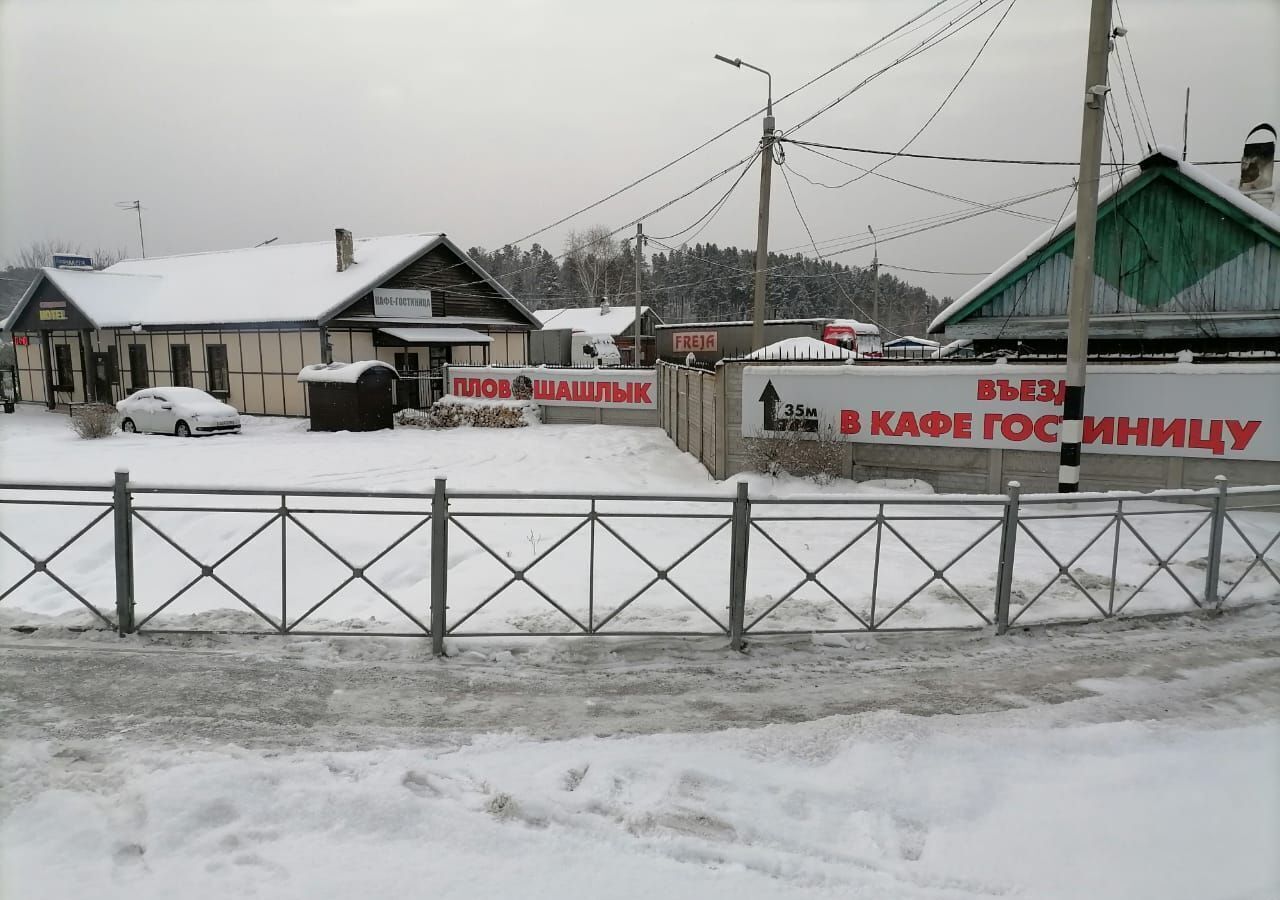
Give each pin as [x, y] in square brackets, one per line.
[376, 237]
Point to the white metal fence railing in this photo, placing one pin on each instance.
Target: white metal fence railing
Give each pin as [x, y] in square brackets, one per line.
[472, 563]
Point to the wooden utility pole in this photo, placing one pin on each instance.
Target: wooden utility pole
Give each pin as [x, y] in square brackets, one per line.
[1081, 297]
[637, 358]
[762, 232]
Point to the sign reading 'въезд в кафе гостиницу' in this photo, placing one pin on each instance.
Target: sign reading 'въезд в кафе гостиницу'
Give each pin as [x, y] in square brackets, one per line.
[1224, 411]
[615, 388]
[401, 303]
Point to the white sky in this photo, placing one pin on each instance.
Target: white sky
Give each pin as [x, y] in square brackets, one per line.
[236, 121]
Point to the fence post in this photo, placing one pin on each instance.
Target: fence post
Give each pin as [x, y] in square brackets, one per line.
[1217, 522]
[439, 565]
[739, 537]
[122, 511]
[1008, 544]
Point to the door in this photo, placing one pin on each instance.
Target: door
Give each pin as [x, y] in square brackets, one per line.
[100, 377]
[439, 357]
[161, 416]
[407, 389]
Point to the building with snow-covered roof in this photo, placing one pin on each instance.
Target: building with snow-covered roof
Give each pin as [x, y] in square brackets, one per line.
[619, 322]
[241, 324]
[1183, 261]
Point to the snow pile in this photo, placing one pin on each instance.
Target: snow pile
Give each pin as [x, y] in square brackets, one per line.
[801, 348]
[340, 372]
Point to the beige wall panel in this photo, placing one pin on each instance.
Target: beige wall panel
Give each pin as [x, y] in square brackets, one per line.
[361, 346]
[295, 397]
[291, 351]
[310, 348]
[253, 404]
[273, 395]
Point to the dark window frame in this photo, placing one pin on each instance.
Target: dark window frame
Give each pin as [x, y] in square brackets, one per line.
[181, 375]
[218, 371]
[138, 357]
[64, 372]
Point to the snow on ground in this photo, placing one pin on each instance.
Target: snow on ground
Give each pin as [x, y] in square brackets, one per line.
[281, 453]
[1103, 761]
[1113, 760]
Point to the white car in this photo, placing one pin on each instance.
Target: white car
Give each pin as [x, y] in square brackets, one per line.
[182, 411]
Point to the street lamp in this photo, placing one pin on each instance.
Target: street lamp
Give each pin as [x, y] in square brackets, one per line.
[762, 231]
[875, 277]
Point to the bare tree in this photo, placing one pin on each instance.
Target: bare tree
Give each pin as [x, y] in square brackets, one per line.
[40, 253]
[591, 255]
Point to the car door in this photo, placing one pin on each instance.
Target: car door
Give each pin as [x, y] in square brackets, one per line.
[161, 416]
[138, 409]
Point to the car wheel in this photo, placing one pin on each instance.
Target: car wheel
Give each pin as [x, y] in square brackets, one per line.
[183, 430]
[128, 426]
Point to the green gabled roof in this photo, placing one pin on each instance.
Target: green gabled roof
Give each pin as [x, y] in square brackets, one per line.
[1159, 207]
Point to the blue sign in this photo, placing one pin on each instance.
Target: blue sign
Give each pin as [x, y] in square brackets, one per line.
[72, 261]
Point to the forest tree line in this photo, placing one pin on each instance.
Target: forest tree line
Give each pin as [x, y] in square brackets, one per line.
[703, 282]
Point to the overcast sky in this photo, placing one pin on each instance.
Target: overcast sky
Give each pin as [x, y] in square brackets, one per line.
[234, 122]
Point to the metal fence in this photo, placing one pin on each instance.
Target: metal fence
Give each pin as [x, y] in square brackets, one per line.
[484, 563]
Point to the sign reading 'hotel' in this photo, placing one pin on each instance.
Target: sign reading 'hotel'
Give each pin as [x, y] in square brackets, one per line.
[394, 303]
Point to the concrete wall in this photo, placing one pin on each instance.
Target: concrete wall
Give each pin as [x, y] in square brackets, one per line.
[947, 469]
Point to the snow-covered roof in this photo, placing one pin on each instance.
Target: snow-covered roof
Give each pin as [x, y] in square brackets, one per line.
[692, 325]
[617, 322]
[340, 372]
[801, 348]
[910, 340]
[275, 283]
[858, 327]
[1167, 157]
[437, 335]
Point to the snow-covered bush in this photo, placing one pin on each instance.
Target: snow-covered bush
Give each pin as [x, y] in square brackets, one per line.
[451, 412]
[818, 455]
[93, 420]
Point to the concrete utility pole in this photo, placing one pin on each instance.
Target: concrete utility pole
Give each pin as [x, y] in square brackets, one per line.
[875, 278]
[1081, 297]
[762, 231]
[637, 358]
[136, 206]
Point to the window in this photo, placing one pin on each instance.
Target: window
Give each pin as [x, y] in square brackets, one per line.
[113, 364]
[180, 364]
[138, 367]
[219, 376]
[63, 374]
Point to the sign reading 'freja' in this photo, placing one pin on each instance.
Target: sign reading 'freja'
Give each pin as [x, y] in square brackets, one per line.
[1223, 411]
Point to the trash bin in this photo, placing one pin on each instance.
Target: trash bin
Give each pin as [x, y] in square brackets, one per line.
[354, 396]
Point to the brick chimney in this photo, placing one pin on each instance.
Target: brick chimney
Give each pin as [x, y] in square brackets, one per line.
[345, 248]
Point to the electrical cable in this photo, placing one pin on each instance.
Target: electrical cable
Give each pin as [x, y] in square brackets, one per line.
[706, 218]
[1138, 81]
[973, 159]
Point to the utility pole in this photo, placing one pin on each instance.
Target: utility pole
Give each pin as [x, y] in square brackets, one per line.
[875, 278]
[762, 230]
[637, 358]
[1186, 120]
[1080, 300]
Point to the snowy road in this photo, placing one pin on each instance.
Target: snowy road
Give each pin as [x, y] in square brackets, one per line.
[1102, 761]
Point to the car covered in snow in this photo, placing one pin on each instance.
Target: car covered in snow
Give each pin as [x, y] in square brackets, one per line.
[182, 411]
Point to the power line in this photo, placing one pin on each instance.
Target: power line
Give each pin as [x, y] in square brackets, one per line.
[945, 100]
[705, 218]
[1138, 81]
[735, 125]
[902, 182]
[1004, 161]
[1026, 283]
[885, 265]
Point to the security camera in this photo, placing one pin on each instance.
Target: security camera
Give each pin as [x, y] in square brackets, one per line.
[1119, 31]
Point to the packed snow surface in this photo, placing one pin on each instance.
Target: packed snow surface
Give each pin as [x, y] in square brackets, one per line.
[801, 348]
[341, 372]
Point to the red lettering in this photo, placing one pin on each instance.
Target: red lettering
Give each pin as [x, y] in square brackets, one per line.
[543, 389]
[1242, 432]
[849, 422]
[460, 386]
[989, 423]
[935, 424]
[580, 391]
[907, 425]
[1027, 390]
[1016, 427]
[504, 390]
[1099, 431]
[1051, 391]
[1042, 425]
[562, 391]
[1007, 390]
[962, 425]
[881, 422]
[1171, 432]
[986, 389]
[621, 393]
[1212, 441]
[489, 388]
[642, 393]
[1135, 429]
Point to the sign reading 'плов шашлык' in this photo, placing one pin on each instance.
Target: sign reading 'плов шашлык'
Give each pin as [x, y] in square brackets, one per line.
[1224, 411]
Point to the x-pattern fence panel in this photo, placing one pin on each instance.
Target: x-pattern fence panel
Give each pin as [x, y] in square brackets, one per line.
[473, 563]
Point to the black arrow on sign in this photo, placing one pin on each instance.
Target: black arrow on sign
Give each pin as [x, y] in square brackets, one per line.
[770, 400]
